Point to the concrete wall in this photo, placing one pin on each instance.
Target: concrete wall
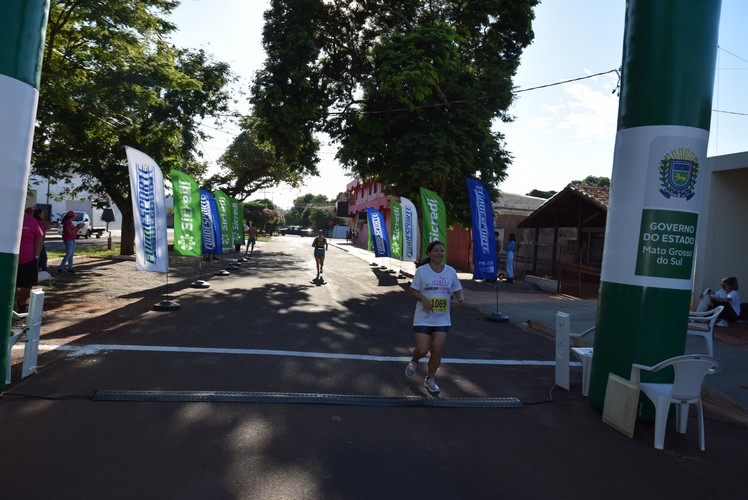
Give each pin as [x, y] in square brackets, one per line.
[722, 247]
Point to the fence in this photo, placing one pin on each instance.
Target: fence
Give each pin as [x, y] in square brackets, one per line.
[576, 279]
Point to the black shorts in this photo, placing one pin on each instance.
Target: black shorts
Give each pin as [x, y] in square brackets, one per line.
[428, 330]
[27, 275]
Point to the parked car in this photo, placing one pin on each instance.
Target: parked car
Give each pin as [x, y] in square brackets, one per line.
[87, 229]
[54, 220]
[296, 230]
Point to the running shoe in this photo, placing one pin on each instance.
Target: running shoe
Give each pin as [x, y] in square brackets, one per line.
[722, 323]
[430, 384]
[410, 370]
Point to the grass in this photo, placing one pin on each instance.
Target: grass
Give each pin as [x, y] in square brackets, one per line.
[91, 251]
[101, 250]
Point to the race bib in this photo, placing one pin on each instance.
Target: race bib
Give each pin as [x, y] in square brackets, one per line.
[438, 305]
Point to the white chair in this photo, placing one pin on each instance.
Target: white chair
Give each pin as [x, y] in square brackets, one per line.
[702, 325]
[690, 371]
[584, 354]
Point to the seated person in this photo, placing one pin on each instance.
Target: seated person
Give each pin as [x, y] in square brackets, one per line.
[729, 297]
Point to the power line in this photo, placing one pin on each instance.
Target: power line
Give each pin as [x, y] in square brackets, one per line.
[729, 112]
[567, 81]
[733, 55]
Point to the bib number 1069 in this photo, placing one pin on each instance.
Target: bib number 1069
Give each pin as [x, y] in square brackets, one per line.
[438, 304]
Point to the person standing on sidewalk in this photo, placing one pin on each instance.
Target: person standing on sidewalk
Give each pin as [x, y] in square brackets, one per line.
[511, 246]
[27, 272]
[251, 240]
[69, 236]
[41, 218]
[433, 285]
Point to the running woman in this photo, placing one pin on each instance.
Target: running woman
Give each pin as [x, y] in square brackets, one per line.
[433, 285]
[320, 245]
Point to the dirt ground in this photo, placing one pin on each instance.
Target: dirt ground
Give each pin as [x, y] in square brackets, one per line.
[105, 285]
[735, 334]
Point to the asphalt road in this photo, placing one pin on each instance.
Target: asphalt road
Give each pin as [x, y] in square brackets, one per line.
[270, 329]
[54, 242]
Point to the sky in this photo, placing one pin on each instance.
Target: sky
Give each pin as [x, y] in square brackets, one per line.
[560, 133]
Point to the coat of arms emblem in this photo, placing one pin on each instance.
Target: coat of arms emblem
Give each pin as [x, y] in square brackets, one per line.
[678, 172]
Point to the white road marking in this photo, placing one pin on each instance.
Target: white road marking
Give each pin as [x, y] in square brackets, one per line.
[92, 349]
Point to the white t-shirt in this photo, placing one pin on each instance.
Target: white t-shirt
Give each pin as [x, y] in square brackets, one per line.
[438, 288]
[734, 295]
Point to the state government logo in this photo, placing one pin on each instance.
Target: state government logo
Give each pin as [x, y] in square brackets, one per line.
[678, 172]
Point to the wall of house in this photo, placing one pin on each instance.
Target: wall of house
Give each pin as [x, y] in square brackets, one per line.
[460, 255]
[55, 197]
[722, 246]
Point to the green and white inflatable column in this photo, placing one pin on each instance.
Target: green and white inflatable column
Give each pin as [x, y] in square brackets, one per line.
[669, 55]
[22, 27]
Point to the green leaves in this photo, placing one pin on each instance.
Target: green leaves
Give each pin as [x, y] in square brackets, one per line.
[249, 165]
[110, 78]
[409, 90]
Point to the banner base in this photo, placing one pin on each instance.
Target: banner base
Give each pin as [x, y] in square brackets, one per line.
[498, 317]
[167, 305]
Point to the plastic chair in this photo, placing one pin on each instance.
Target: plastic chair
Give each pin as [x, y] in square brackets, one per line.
[702, 325]
[584, 354]
[685, 390]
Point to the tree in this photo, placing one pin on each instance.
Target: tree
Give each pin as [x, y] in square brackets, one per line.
[303, 206]
[110, 79]
[288, 100]
[591, 180]
[262, 213]
[541, 194]
[409, 90]
[249, 166]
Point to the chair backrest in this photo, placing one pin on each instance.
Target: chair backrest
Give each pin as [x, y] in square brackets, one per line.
[580, 336]
[690, 371]
[706, 317]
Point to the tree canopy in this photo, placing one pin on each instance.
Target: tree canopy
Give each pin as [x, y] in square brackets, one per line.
[248, 166]
[592, 180]
[263, 214]
[311, 210]
[110, 79]
[541, 194]
[409, 90]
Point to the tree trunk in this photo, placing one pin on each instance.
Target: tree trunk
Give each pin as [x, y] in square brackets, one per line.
[128, 234]
[124, 203]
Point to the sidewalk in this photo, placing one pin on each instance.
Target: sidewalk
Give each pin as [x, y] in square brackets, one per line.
[528, 306]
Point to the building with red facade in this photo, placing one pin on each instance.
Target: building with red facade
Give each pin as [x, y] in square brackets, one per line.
[510, 210]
